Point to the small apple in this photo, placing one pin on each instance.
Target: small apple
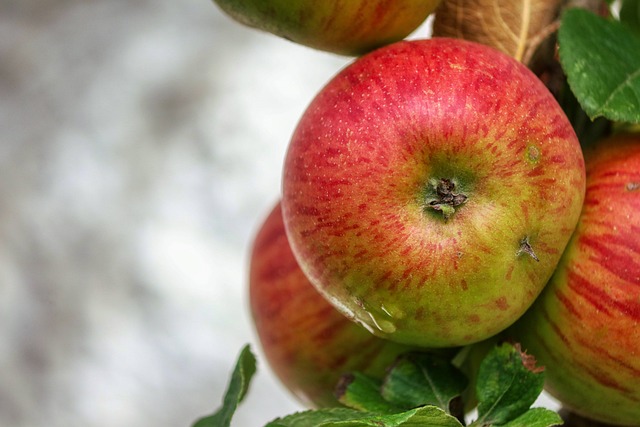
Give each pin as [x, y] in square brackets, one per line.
[585, 326]
[429, 190]
[345, 27]
[307, 342]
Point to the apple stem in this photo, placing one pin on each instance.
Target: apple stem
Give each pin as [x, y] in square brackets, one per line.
[525, 247]
[446, 198]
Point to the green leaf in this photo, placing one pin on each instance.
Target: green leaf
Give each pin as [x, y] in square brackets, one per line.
[236, 390]
[536, 417]
[507, 385]
[426, 416]
[418, 379]
[600, 58]
[361, 392]
[630, 14]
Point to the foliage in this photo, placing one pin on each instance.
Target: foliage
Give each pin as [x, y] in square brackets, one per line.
[418, 390]
[236, 391]
[601, 58]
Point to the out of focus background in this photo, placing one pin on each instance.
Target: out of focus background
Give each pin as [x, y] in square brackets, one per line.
[141, 147]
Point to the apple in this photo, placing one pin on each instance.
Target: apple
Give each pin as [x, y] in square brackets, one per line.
[585, 326]
[345, 27]
[429, 190]
[307, 342]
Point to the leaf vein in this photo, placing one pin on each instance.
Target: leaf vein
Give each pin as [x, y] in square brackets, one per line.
[627, 82]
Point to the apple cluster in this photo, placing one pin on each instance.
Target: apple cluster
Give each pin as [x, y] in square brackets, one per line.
[434, 196]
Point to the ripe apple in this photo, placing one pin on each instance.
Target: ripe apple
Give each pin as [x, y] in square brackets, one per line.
[585, 326]
[346, 27]
[429, 190]
[307, 342]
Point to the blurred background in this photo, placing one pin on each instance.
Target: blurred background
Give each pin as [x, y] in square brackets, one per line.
[142, 145]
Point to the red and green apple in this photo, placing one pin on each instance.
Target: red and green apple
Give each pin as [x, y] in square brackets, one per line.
[307, 342]
[585, 326]
[430, 189]
[348, 27]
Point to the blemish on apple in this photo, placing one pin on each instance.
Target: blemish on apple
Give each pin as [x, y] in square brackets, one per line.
[633, 186]
[525, 248]
[533, 154]
[502, 303]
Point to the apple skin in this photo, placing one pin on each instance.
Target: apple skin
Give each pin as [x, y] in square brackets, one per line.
[360, 201]
[347, 27]
[307, 342]
[585, 326]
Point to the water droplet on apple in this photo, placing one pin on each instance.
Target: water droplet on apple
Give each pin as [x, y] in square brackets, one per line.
[379, 320]
[382, 325]
[393, 311]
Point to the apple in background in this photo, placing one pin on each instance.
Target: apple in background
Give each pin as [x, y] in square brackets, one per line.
[585, 327]
[306, 341]
[348, 27]
[429, 190]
